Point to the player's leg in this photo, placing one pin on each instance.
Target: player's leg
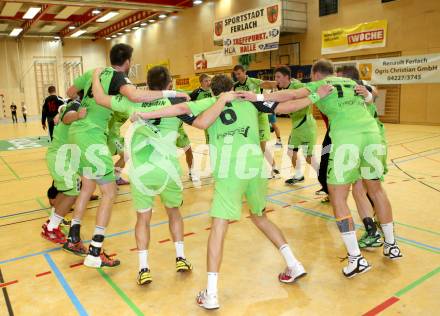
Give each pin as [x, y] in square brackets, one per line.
[256, 197]
[74, 244]
[276, 129]
[96, 257]
[323, 165]
[264, 133]
[142, 234]
[371, 238]
[298, 176]
[119, 166]
[269, 158]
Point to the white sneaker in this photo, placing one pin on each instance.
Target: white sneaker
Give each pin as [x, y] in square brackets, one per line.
[92, 261]
[195, 179]
[356, 265]
[392, 251]
[291, 274]
[207, 301]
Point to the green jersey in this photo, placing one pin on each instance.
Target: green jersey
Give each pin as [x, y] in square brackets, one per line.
[299, 117]
[346, 111]
[372, 109]
[61, 130]
[200, 94]
[152, 137]
[233, 137]
[97, 117]
[117, 120]
[251, 84]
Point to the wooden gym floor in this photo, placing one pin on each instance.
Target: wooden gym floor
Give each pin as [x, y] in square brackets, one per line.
[38, 279]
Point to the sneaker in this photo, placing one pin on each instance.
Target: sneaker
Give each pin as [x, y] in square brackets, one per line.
[278, 144]
[294, 180]
[207, 301]
[326, 199]
[356, 265]
[121, 181]
[103, 260]
[321, 192]
[94, 197]
[291, 274]
[275, 173]
[144, 277]
[56, 235]
[76, 248]
[183, 265]
[368, 241]
[392, 251]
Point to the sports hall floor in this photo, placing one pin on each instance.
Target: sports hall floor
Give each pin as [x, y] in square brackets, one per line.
[38, 278]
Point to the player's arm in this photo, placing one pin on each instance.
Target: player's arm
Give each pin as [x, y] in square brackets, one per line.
[296, 105]
[168, 111]
[278, 96]
[366, 92]
[98, 91]
[208, 117]
[78, 84]
[72, 116]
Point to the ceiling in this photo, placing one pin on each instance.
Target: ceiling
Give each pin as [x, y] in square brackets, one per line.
[62, 18]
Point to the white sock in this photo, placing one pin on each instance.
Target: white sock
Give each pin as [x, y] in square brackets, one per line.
[388, 232]
[99, 230]
[211, 288]
[54, 221]
[75, 221]
[298, 172]
[351, 243]
[118, 172]
[287, 253]
[143, 259]
[179, 245]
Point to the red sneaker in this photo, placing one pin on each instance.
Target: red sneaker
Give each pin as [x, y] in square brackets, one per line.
[76, 248]
[121, 181]
[56, 235]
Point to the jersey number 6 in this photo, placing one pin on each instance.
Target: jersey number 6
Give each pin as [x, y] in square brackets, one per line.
[228, 116]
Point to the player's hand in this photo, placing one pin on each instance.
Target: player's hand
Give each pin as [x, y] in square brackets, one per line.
[97, 72]
[82, 112]
[135, 117]
[228, 96]
[183, 95]
[361, 90]
[247, 95]
[324, 90]
[44, 126]
[56, 119]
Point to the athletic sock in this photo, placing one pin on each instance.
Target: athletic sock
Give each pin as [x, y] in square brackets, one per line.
[351, 243]
[118, 172]
[287, 253]
[99, 230]
[211, 288]
[96, 245]
[75, 221]
[179, 245]
[388, 232]
[279, 140]
[298, 172]
[370, 226]
[54, 221]
[143, 259]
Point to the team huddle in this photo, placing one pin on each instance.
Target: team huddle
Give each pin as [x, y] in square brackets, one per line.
[237, 120]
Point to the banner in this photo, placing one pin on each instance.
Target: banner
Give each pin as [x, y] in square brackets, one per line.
[187, 83]
[355, 37]
[164, 63]
[246, 22]
[265, 40]
[211, 60]
[399, 70]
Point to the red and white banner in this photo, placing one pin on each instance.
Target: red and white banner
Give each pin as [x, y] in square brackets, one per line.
[250, 43]
[211, 60]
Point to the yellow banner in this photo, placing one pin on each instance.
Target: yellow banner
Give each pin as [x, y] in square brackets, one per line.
[355, 37]
[165, 63]
[187, 83]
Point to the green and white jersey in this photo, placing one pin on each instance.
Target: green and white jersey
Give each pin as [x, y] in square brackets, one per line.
[114, 126]
[251, 84]
[346, 111]
[61, 130]
[200, 94]
[234, 136]
[147, 139]
[97, 117]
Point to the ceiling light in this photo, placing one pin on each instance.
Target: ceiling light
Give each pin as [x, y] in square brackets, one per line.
[119, 33]
[31, 13]
[72, 27]
[197, 2]
[144, 24]
[78, 33]
[127, 30]
[57, 37]
[151, 21]
[108, 16]
[96, 11]
[108, 38]
[135, 28]
[16, 31]
[162, 16]
[113, 35]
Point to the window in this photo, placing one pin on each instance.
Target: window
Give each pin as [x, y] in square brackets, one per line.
[327, 7]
